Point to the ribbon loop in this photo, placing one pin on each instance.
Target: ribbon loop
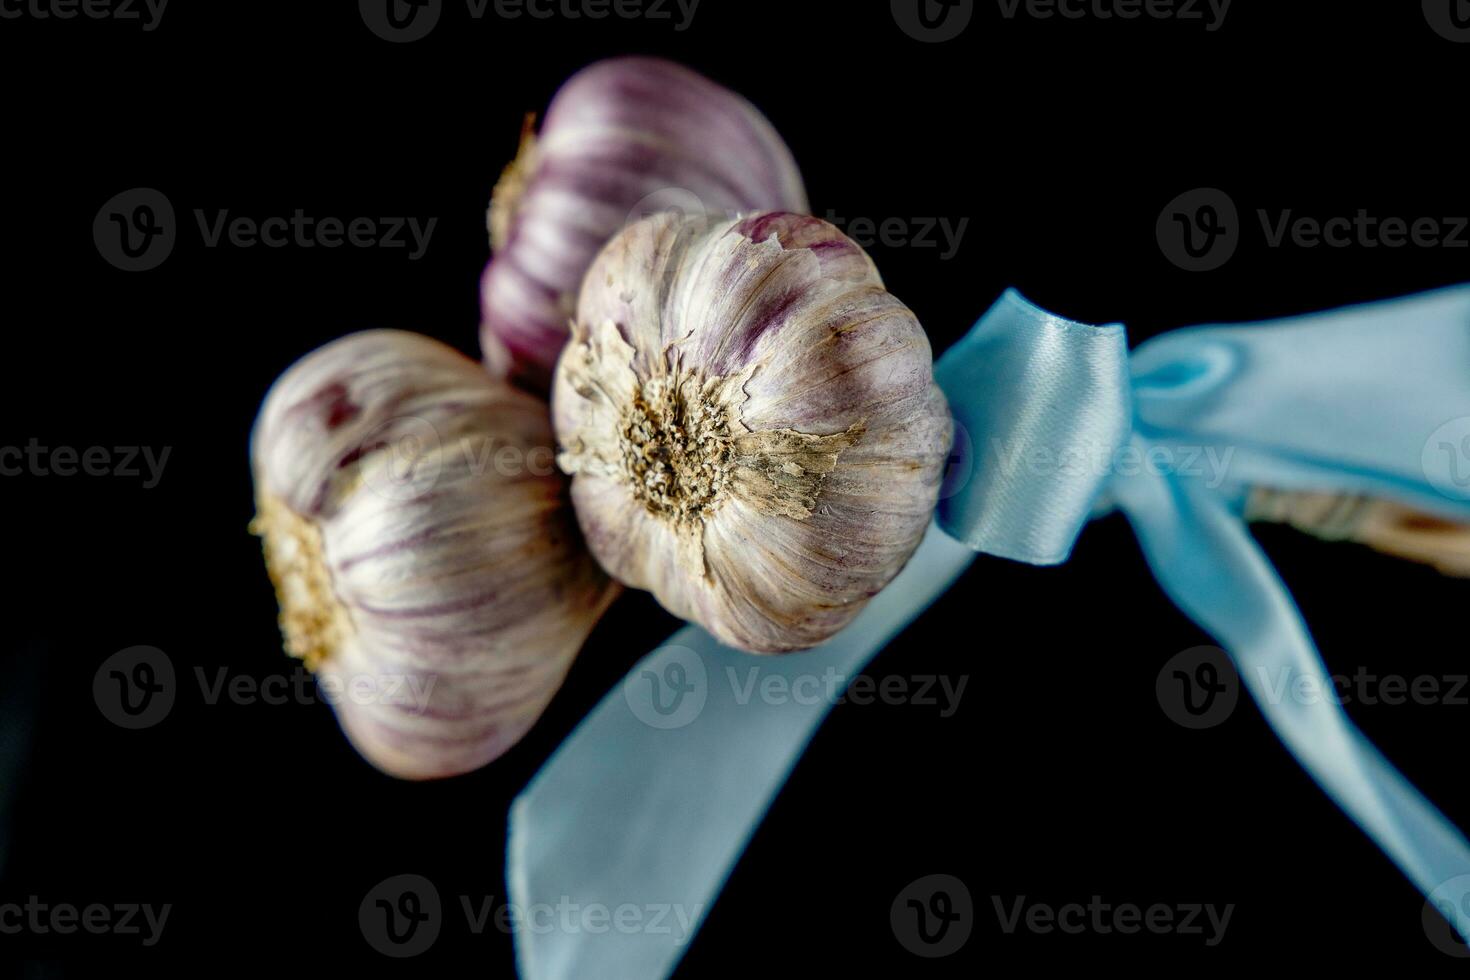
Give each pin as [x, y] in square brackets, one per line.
[1041, 404]
[1347, 400]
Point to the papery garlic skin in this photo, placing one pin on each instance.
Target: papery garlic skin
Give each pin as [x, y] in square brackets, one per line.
[422, 548]
[1384, 525]
[751, 422]
[622, 138]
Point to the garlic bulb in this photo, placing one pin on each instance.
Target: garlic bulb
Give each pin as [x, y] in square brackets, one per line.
[751, 422]
[1383, 525]
[622, 138]
[422, 548]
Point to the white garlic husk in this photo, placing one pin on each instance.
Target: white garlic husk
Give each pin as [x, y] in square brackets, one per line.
[751, 423]
[422, 548]
[1384, 525]
[622, 138]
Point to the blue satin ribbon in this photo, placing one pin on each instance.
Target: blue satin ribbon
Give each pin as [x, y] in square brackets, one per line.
[646, 807]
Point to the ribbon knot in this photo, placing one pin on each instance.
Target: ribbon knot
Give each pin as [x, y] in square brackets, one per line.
[1348, 401]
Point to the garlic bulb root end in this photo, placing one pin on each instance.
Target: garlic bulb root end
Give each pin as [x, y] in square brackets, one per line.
[314, 623]
[422, 548]
[751, 424]
[505, 199]
[1383, 525]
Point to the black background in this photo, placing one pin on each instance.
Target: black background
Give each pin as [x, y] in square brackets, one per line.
[1059, 778]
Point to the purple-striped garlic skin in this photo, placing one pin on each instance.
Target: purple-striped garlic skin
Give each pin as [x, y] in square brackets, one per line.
[622, 138]
[422, 548]
[751, 424]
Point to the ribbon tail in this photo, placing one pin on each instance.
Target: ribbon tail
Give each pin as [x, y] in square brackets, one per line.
[643, 812]
[1205, 559]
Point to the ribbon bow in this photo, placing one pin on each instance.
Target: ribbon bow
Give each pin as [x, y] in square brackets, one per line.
[650, 802]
